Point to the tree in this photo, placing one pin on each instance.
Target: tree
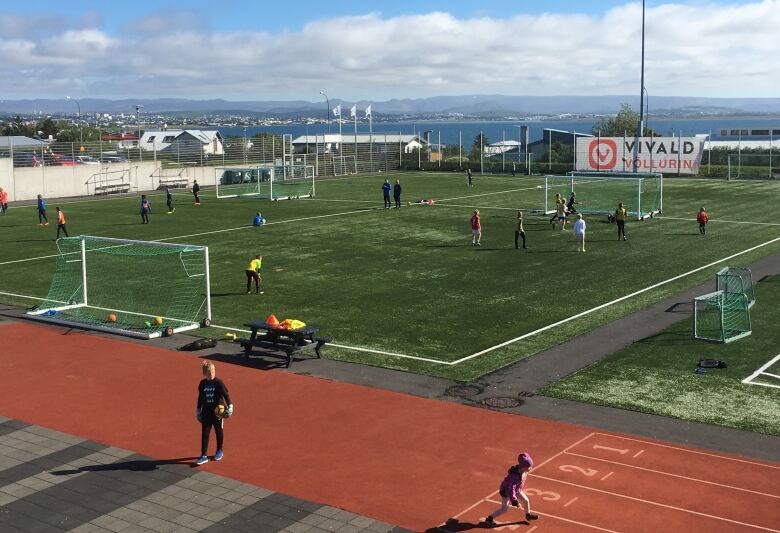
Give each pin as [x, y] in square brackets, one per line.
[480, 141]
[626, 122]
[48, 127]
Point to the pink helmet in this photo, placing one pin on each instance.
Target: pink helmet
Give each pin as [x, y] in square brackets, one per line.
[524, 460]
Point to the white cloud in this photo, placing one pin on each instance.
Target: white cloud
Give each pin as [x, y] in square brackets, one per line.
[691, 49]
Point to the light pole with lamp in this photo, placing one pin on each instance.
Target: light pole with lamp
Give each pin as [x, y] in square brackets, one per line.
[327, 104]
[640, 131]
[138, 123]
[78, 106]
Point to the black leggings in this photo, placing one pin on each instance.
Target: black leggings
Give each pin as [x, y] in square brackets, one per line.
[621, 226]
[519, 234]
[42, 216]
[63, 229]
[252, 276]
[144, 217]
[205, 433]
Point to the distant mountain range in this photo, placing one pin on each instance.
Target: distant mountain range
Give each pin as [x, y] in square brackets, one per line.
[469, 105]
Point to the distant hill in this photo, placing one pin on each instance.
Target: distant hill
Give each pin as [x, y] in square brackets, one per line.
[479, 105]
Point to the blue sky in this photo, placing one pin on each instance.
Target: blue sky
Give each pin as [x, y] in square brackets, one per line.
[241, 49]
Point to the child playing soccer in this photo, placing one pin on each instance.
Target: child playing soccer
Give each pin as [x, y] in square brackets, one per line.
[476, 228]
[42, 220]
[61, 223]
[211, 393]
[558, 201]
[519, 231]
[579, 233]
[253, 274]
[702, 218]
[561, 214]
[258, 220]
[469, 178]
[3, 201]
[169, 200]
[146, 208]
[511, 489]
[195, 191]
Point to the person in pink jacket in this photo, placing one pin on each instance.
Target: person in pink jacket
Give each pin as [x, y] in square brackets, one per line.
[511, 489]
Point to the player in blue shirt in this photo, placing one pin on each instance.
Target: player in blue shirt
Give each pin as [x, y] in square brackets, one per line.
[146, 208]
[259, 220]
[386, 193]
[42, 220]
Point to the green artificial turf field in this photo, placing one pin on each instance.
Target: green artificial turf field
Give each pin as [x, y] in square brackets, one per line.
[655, 374]
[404, 288]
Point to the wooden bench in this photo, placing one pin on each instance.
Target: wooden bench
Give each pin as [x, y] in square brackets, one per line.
[290, 342]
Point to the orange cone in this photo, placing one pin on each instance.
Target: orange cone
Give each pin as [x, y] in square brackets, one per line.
[272, 321]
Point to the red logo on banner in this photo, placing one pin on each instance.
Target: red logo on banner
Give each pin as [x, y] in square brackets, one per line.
[602, 154]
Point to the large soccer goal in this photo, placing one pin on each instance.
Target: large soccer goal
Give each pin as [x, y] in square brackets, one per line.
[271, 182]
[601, 192]
[753, 166]
[138, 288]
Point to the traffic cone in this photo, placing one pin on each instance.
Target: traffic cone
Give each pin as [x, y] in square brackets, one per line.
[272, 321]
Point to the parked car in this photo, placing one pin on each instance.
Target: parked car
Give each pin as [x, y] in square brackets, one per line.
[112, 158]
[65, 160]
[86, 160]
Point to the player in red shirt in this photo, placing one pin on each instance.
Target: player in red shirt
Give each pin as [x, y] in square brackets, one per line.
[702, 218]
[476, 229]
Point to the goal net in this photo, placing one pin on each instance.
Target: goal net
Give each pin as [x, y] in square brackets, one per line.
[601, 192]
[721, 317]
[270, 182]
[737, 280]
[139, 288]
[753, 166]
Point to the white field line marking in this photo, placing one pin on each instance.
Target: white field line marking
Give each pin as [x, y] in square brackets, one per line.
[470, 507]
[605, 477]
[650, 502]
[673, 475]
[726, 221]
[608, 304]
[749, 380]
[22, 296]
[637, 454]
[500, 525]
[485, 207]
[696, 452]
[571, 501]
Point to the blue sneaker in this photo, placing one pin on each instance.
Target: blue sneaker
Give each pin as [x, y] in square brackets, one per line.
[202, 460]
[218, 456]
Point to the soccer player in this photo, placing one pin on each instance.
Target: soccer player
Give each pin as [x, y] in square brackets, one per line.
[571, 202]
[469, 177]
[146, 208]
[560, 214]
[620, 219]
[253, 274]
[397, 194]
[195, 191]
[702, 218]
[579, 232]
[386, 193]
[3, 201]
[42, 220]
[211, 393]
[476, 229]
[519, 231]
[259, 220]
[511, 490]
[558, 201]
[60, 223]
[169, 200]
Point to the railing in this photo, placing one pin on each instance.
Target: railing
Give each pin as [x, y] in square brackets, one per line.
[109, 181]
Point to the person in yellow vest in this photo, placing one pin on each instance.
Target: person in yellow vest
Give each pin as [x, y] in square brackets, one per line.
[620, 219]
[253, 274]
[61, 223]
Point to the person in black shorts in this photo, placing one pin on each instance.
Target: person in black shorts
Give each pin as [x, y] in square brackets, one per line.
[195, 191]
[169, 200]
[212, 392]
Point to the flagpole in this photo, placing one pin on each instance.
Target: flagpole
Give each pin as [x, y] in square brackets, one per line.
[371, 138]
[356, 146]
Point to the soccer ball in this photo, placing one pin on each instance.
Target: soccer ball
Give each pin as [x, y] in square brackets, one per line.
[158, 320]
[220, 411]
[112, 317]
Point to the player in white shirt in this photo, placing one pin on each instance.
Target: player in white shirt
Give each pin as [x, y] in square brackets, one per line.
[579, 232]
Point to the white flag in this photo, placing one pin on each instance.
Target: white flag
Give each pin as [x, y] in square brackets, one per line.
[368, 111]
[337, 111]
[353, 111]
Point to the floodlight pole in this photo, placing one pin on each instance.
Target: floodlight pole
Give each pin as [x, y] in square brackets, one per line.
[327, 109]
[78, 106]
[640, 131]
[138, 123]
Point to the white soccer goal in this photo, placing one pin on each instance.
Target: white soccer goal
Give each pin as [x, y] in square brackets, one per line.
[753, 166]
[600, 192]
[142, 289]
[270, 182]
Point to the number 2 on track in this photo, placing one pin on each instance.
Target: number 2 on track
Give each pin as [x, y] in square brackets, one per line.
[590, 472]
[622, 451]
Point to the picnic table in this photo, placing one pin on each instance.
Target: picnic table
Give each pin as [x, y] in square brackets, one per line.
[289, 341]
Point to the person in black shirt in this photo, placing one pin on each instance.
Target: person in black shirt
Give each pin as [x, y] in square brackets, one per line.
[195, 191]
[397, 194]
[169, 200]
[211, 393]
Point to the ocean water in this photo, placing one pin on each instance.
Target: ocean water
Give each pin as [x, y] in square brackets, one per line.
[451, 131]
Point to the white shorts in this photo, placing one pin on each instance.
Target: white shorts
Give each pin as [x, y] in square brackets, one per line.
[476, 232]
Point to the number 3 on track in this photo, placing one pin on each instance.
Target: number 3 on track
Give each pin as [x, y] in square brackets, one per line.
[546, 495]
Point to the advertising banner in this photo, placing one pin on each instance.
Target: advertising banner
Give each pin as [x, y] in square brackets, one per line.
[669, 155]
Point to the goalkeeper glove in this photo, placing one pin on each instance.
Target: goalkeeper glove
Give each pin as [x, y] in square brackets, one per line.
[229, 411]
[198, 415]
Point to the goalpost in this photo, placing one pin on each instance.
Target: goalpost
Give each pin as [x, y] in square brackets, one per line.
[753, 166]
[142, 289]
[270, 182]
[600, 192]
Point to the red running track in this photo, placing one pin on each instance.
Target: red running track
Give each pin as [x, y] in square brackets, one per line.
[409, 461]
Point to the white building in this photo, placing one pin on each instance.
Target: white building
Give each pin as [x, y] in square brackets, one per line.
[333, 141]
[209, 141]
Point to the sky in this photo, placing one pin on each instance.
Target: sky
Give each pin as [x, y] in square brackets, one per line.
[358, 50]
